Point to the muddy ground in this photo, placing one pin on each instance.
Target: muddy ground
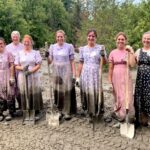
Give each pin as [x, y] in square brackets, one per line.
[76, 134]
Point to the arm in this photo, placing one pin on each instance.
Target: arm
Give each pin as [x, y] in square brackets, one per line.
[49, 60]
[110, 72]
[79, 69]
[12, 71]
[73, 68]
[132, 60]
[36, 68]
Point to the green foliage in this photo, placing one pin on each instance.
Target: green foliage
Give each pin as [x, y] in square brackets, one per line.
[41, 19]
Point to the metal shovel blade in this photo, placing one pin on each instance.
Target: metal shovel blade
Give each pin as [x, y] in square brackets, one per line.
[52, 119]
[127, 130]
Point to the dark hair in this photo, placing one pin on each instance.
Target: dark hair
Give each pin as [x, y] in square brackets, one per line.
[2, 39]
[92, 30]
[121, 33]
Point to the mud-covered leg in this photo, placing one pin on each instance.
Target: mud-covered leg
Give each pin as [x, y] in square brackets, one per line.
[26, 116]
[32, 116]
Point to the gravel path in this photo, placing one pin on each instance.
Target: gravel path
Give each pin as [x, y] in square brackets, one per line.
[76, 134]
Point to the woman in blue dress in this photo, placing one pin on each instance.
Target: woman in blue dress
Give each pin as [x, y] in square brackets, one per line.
[88, 71]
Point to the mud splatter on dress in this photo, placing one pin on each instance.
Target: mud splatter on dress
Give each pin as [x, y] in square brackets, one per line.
[142, 87]
[6, 91]
[117, 58]
[62, 75]
[14, 49]
[32, 59]
[89, 79]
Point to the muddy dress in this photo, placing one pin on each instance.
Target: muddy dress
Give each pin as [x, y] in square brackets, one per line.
[142, 87]
[32, 81]
[6, 91]
[119, 77]
[89, 79]
[62, 76]
[14, 49]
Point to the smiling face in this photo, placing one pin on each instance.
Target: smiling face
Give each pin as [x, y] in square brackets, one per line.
[15, 39]
[146, 40]
[2, 45]
[91, 38]
[60, 38]
[121, 42]
[27, 43]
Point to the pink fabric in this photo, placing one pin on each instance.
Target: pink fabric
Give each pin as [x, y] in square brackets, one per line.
[119, 79]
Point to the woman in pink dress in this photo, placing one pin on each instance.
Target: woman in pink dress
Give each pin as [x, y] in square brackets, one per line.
[28, 63]
[6, 81]
[118, 77]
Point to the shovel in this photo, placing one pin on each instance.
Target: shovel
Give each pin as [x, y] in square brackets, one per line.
[52, 117]
[27, 119]
[127, 129]
[101, 96]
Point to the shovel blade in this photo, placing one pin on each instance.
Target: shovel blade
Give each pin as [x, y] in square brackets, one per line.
[127, 130]
[52, 119]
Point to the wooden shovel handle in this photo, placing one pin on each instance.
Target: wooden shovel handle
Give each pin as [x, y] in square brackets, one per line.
[127, 83]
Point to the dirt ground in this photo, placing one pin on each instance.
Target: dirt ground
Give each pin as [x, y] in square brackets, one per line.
[76, 134]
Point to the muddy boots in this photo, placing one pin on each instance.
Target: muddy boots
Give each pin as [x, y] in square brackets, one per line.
[11, 110]
[3, 107]
[28, 117]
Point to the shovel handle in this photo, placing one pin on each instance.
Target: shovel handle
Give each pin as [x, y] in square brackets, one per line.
[50, 88]
[100, 80]
[127, 82]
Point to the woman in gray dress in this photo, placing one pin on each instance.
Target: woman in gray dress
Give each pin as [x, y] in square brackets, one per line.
[61, 55]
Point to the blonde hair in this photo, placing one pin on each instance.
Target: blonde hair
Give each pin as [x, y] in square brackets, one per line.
[61, 31]
[28, 37]
[121, 33]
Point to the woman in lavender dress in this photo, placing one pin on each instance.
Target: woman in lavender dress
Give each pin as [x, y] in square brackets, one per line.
[89, 68]
[6, 81]
[28, 62]
[14, 47]
[62, 56]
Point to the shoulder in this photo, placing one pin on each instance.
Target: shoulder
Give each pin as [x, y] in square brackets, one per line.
[81, 48]
[68, 45]
[8, 47]
[114, 51]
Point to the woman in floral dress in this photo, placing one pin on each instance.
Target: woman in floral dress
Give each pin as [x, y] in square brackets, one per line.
[6, 81]
[88, 71]
[28, 63]
[142, 87]
[61, 55]
[118, 77]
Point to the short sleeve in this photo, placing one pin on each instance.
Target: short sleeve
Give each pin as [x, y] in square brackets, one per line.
[111, 59]
[81, 58]
[71, 52]
[17, 59]
[38, 58]
[50, 50]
